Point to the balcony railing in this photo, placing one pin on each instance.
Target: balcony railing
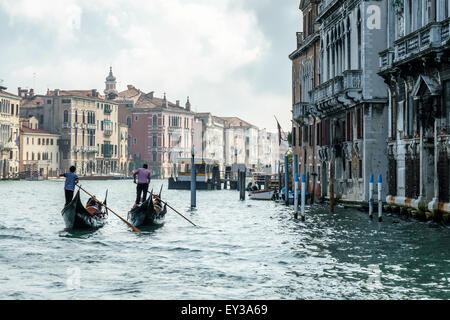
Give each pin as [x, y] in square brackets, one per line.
[108, 109]
[433, 35]
[301, 110]
[91, 126]
[108, 132]
[66, 125]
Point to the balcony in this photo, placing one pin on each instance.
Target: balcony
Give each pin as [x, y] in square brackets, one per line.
[66, 125]
[325, 6]
[429, 38]
[91, 126]
[341, 91]
[108, 109]
[76, 149]
[108, 132]
[301, 111]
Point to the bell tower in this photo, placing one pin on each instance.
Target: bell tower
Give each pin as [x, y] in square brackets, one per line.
[110, 83]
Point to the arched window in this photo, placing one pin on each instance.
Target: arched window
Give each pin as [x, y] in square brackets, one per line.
[359, 40]
[129, 122]
[349, 48]
[66, 116]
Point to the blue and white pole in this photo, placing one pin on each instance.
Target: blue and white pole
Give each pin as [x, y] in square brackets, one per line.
[296, 196]
[303, 196]
[193, 180]
[380, 200]
[371, 189]
[286, 180]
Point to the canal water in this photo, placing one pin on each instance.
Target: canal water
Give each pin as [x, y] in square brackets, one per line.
[241, 250]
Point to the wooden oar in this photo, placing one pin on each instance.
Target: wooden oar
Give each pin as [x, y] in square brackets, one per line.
[102, 204]
[158, 198]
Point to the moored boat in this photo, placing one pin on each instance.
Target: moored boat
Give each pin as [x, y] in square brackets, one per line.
[149, 213]
[261, 195]
[77, 216]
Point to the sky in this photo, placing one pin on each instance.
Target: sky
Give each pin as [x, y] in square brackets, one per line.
[229, 56]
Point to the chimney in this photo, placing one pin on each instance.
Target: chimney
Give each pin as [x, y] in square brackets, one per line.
[56, 92]
[94, 92]
[31, 92]
[164, 102]
[129, 86]
[178, 103]
[188, 104]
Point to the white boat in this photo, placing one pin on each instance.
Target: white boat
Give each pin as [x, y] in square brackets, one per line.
[261, 195]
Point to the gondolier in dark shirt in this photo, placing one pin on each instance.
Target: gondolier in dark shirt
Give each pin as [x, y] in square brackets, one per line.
[143, 176]
[69, 186]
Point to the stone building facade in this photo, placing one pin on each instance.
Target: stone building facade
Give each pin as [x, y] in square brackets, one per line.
[161, 131]
[415, 66]
[241, 142]
[87, 124]
[38, 151]
[350, 100]
[305, 78]
[9, 134]
[209, 138]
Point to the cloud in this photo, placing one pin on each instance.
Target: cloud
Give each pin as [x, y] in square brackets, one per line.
[199, 48]
[60, 17]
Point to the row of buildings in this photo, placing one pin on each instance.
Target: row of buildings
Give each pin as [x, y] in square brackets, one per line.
[43, 135]
[370, 94]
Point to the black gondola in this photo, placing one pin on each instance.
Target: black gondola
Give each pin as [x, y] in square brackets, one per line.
[147, 214]
[76, 216]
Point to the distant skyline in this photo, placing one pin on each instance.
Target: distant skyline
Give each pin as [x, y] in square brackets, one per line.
[230, 56]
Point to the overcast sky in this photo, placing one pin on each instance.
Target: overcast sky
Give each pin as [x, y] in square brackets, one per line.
[229, 56]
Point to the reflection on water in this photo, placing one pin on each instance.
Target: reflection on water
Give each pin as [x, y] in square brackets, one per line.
[241, 250]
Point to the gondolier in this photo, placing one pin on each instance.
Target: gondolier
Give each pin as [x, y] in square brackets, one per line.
[69, 186]
[143, 182]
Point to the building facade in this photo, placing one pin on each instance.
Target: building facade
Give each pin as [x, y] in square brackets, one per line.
[305, 78]
[241, 142]
[161, 131]
[416, 69]
[87, 124]
[209, 138]
[9, 134]
[350, 100]
[38, 152]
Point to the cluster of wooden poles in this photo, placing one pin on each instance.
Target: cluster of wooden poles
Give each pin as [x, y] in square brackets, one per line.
[128, 223]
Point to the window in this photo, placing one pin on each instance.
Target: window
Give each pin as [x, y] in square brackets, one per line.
[360, 169]
[350, 170]
[155, 121]
[39, 141]
[129, 122]
[49, 101]
[318, 173]
[294, 130]
[66, 116]
[154, 156]
[135, 141]
[155, 141]
[359, 123]
[76, 115]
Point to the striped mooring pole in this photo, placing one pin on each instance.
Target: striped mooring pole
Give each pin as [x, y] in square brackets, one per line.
[286, 180]
[303, 196]
[371, 196]
[296, 196]
[380, 200]
[193, 181]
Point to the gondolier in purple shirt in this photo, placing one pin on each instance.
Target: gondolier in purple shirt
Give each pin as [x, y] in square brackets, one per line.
[143, 182]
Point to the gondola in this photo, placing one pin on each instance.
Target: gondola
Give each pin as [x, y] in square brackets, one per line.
[148, 213]
[76, 216]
